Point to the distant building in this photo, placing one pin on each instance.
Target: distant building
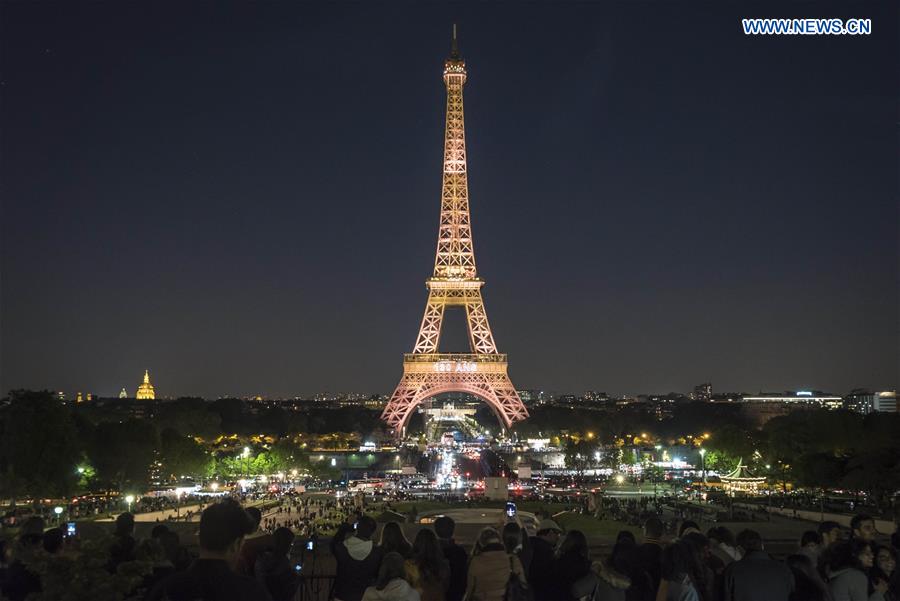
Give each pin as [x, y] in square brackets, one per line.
[702, 392]
[61, 396]
[145, 391]
[865, 402]
[78, 398]
[123, 394]
[727, 397]
[764, 406]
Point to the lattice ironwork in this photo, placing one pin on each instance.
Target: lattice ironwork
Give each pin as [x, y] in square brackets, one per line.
[455, 282]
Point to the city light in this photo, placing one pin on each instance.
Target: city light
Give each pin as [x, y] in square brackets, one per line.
[57, 510]
[214, 486]
[246, 451]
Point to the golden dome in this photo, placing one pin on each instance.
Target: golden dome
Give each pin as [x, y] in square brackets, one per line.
[145, 390]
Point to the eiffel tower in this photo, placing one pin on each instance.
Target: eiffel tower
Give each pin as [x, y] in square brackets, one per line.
[481, 372]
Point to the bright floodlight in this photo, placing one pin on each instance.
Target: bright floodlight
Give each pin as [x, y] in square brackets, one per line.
[57, 510]
[702, 451]
[129, 499]
[246, 451]
[214, 486]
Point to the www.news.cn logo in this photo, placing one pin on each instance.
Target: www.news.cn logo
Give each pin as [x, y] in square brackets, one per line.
[807, 26]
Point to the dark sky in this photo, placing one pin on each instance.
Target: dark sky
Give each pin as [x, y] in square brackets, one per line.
[245, 200]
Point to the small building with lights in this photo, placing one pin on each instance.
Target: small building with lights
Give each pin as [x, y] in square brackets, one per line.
[742, 481]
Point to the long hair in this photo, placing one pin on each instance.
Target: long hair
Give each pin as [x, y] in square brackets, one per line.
[392, 566]
[427, 554]
[846, 554]
[393, 540]
[575, 543]
[512, 536]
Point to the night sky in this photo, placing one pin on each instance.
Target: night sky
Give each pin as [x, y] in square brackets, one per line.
[245, 200]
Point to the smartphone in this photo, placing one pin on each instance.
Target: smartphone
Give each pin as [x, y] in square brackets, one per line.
[510, 510]
[310, 545]
[355, 524]
[298, 567]
[70, 529]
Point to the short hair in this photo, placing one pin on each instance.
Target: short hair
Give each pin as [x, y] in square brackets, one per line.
[654, 527]
[366, 527]
[255, 515]
[124, 523]
[158, 530]
[223, 523]
[810, 537]
[724, 535]
[444, 527]
[859, 518]
[749, 540]
[687, 524]
[827, 526]
[625, 535]
[53, 540]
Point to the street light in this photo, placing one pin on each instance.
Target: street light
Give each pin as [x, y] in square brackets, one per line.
[703, 463]
[58, 511]
[245, 454]
[129, 499]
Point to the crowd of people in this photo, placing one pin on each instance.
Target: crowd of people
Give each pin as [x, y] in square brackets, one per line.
[244, 555]
[506, 564]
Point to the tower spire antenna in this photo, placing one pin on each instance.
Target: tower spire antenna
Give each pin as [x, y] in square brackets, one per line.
[454, 47]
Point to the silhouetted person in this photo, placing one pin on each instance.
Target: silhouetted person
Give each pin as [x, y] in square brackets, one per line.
[211, 577]
[273, 568]
[20, 582]
[456, 557]
[543, 554]
[756, 577]
[254, 544]
[394, 541]
[391, 584]
[123, 545]
[358, 559]
[862, 526]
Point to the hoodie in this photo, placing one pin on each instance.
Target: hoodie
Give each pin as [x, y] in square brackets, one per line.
[397, 589]
[358, 561]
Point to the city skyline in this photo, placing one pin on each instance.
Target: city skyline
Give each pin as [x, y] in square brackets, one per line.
[242, 217]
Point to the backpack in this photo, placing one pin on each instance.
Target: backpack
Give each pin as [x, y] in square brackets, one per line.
[515, 590]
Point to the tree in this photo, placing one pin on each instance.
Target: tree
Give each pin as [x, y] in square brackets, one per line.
[183, 456]
[121, 453]
[39, 447]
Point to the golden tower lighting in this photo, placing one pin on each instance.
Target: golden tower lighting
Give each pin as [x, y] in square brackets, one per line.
[483, 371]
[145, 390]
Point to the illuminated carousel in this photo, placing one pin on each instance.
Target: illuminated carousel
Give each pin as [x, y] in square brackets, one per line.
[741, 481]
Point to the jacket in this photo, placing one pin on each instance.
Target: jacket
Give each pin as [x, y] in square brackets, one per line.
[358, 561]
[397, 589]
[851, 584]
[757, 577]
[489, 572]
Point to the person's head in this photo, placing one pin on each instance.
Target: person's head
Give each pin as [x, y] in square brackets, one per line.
[124, 524]
[725, 536]
[678, 560]
[53, 540]
[809, 585]
[427, 553]
[886, 559]
[393, 539]
[255, 516]
[444, 527]
[830, 533]
[699, 543]
[854, 553]
[810, 538]
[749, 541]
[282, 539]
[365, 527]
[223, 527]
[687, 525]
[626, 536]
[392, 567]
[158, 530]
[31, 532]
[171, 544]
[653, 528]
[575, 545]
[512, 536]
[486, 538]
[862, 526]
[550, 531]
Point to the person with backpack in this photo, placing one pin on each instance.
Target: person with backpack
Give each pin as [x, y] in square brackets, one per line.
[492, 571]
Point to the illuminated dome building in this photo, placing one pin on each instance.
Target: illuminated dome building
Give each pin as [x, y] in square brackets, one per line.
[145, 390]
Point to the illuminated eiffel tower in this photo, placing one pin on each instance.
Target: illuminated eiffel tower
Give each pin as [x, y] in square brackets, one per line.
[481, 372]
